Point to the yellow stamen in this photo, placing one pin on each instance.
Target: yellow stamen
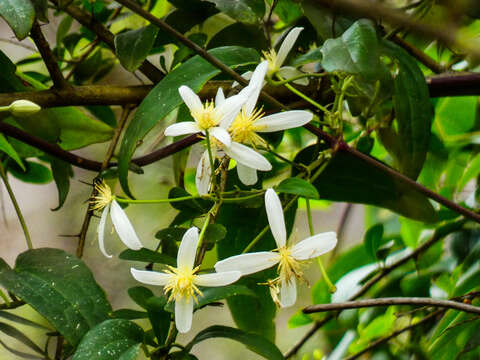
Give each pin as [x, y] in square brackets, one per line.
[288, 267]
[271, 57]
[182, 284]
[243, 128]
[104, 196]
[206, 117]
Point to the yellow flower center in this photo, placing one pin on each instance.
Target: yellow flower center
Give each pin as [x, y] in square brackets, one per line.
[104, 196]
[206, 117]
[271, 57]
[182, 283]
[288, 267]
[243, 128]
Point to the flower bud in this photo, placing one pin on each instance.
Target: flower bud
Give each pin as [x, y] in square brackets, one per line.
[22, 108]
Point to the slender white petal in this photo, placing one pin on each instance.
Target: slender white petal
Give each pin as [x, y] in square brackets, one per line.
[188, 249]
[314, 246]
[101, 231]
[217, 279]
[283, 120]
[288, 292]
[256, 83]
[246, 75]
[247, 175]
[203, 175]
[230, 108]
[248, 263]
[183, 314]
[287, 45]
[124, 227]
[288, 72]
[274, 209]
[247, 156]
[182, 128]
[220, 97]
[190, 99]
[221, 135]
[151, 277]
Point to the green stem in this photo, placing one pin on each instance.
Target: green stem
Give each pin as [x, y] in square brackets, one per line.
[4, 108]
[240, 198]
[286, 81]
[304, 97]
[210, 157]
[159, 201]
[309, 217]
[204, 228]
[23, 224]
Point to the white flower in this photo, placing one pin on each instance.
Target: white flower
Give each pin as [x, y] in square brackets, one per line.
[182, 282]
[288, 258]
[106, 201]
[250, 121]
[275, 60]
[208, 116]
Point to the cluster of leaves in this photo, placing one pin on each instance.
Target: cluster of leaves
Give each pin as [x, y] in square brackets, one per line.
[377, 102]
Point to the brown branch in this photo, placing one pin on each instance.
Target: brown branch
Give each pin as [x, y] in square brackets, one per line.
[454, 85]
[419, 55]
[395, 334]
[87, 20]
[446, 34]
[416, 301]
[49, 59]
[439, 234]
[81, 162]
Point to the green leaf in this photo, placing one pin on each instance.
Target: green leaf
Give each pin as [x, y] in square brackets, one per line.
[10, 151]
[19, 14]
[213, 234]
[454, 116]
[471, 171]
[312, 56]
[21, 320]
[164, 97]
[20, 336]
[129, 314]
[413, 111]
[355, 52]
[350, 179]
[240, 35]
[246, 11]
[111, 340]
[373, 239]
[34, 173]
[20, 353]
[62, 172]
[297, 186]
[147, 255]
[288, 10]
[140, 294]
[255, 343]
[60, 287]
[132, 47]
[159, 318]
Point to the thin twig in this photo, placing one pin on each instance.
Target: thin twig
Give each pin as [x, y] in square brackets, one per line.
[395, 334]
[341, 226]
[49, 59]
[420, 301]
[21, 219]
[111, 148]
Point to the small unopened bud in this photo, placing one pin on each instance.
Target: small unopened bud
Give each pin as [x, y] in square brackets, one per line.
[22, 108]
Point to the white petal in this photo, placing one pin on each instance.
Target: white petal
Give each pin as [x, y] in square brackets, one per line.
[220, 97]
[182, 128]
[287, 45]
[221, 135]
[188, 249]
[247, 175]
[283, 120]
[247, 76]
[124, 227]
[288, 293]
[314, 246]
[247, 156]
[190, 99]
[288, 72]
[217, 279]
[183, 314]
[151, 277]
[248, 263]
[274, 209]
[203, 175]
[101, 231]
[256, 84]
[230, 108]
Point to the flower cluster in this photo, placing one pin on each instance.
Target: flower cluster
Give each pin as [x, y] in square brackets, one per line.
[232, 128]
